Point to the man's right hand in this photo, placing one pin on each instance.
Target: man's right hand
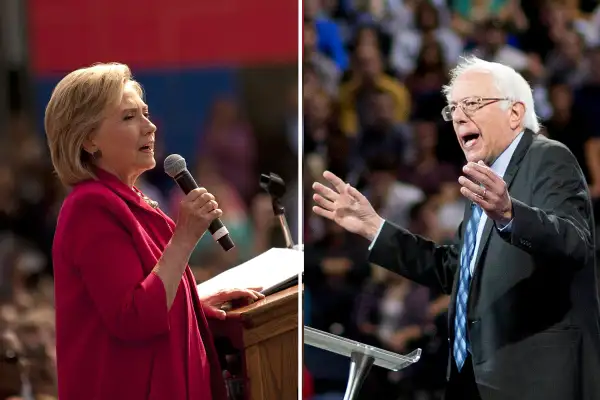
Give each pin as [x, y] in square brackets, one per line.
[346, 206]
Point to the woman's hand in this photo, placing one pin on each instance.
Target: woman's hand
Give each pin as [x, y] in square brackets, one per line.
[198, 209]
[214, 301]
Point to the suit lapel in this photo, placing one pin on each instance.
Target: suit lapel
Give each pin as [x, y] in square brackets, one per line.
[517, 157]
[509, 175]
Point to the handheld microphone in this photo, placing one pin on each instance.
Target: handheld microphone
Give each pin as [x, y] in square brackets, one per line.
[176, 168]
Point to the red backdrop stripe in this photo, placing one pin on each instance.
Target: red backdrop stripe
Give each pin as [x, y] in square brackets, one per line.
[66, 34]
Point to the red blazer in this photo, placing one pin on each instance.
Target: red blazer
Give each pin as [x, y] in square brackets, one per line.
[115, 338]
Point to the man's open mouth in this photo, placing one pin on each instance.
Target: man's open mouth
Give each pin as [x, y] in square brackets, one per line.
[470, 139]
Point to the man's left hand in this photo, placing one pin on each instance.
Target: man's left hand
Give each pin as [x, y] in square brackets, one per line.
[213, 302]
[490, 193]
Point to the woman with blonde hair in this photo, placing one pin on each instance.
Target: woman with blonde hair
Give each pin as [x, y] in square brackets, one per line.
[129, 322]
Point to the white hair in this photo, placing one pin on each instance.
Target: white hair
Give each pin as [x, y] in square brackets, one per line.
[509, 83]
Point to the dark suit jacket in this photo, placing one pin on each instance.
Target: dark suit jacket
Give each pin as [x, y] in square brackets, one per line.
[533, 305]
[115, 337]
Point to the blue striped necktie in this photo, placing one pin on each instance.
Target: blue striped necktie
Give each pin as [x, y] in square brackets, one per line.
[460, 320]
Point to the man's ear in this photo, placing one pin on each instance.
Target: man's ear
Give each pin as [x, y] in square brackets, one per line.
[517, 114]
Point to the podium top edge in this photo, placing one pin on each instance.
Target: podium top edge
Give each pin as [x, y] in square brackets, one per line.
[346, 347]
[266, 304]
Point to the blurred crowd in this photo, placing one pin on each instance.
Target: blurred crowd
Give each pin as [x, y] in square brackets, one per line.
[229, 159]
[373, 72]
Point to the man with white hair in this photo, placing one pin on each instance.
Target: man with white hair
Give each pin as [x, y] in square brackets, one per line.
[523, 319]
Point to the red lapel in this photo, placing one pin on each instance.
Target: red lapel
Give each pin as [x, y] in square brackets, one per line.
[125, 192]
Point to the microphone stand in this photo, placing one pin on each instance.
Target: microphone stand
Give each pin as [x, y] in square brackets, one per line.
[275, 187]
[279, 211]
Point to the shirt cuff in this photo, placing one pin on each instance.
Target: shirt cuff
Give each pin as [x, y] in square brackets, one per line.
[376, 236]
[506, 228]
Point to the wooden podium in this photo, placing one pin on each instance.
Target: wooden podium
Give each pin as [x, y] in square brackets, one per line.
[265, 335]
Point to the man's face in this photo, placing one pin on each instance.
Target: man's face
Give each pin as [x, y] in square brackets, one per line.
[495, 37]
[426, 135]
[369, 61]
[380, 181]
[311, 84]
[310, 38]
[383, 108]
[311, 8]
[571, 46]
[319, 108]
[483, 134]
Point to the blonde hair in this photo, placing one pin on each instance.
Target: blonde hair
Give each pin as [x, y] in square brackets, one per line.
[76, 110]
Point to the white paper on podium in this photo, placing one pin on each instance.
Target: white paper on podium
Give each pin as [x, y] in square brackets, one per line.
[266, 270]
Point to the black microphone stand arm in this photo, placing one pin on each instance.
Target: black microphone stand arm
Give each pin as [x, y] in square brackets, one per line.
[274, 185]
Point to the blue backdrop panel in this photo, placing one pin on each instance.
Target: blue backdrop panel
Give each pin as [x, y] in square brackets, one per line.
[179, 102]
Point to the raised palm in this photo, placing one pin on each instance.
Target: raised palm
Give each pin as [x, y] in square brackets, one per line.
[346, 206]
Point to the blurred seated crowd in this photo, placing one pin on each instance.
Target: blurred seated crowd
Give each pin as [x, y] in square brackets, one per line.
[373, 72]
[228, 162]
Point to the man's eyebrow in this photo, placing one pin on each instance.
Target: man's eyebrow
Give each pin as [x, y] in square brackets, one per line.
[461, 99]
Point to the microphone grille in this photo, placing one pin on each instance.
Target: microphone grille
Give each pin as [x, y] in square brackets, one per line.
[174, 165]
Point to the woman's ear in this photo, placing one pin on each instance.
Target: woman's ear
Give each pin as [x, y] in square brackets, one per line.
[89, 146]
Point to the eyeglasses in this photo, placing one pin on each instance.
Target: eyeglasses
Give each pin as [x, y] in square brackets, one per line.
[469, 105]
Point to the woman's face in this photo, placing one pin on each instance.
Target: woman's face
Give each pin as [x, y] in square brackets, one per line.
[126, 137]
[428, 18]
[561, 98]
[225, 112]
[431, 55]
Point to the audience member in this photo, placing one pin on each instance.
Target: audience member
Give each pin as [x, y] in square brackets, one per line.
[367, 76]
[408, 43]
